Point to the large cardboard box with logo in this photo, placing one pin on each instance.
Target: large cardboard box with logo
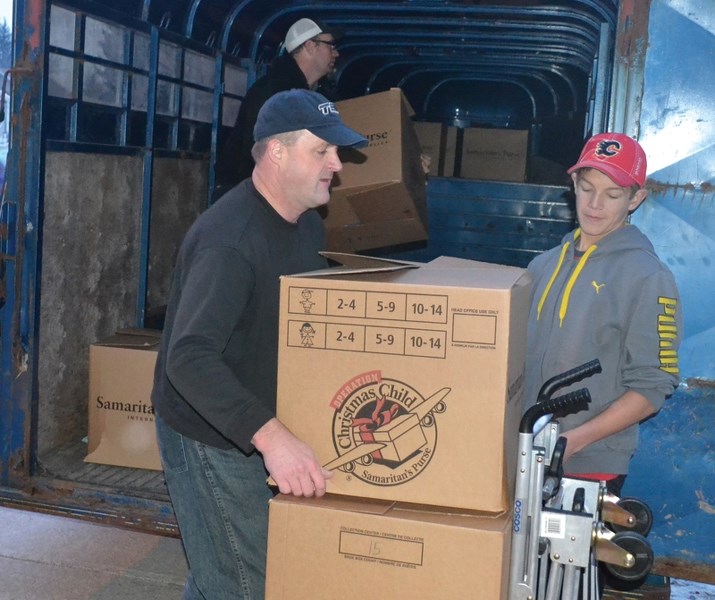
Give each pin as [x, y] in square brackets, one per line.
[496, 154]
[378, 549]
[407, 379]
[121, 416]
[379, 198]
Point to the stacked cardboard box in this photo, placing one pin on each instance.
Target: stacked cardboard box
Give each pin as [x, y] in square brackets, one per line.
[497, 154]
[407, 381]
[379, 198]
[379, 549]
[121, 416]
[475, 153]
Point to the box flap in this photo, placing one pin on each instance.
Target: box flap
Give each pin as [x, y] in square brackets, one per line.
[402, 510]
[505, 273]
[405, 101]
[450, 512]
[354, 504]
[132, 338]
[156, 333]
[348, 259]
[352, 264]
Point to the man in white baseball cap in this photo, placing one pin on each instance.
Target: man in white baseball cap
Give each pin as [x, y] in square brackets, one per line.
[307, 29]
[310, 54]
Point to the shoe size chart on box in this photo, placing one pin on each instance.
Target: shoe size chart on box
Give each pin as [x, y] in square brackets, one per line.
[310, 309]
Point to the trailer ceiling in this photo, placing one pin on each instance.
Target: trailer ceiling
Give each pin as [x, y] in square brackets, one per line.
[502, 63]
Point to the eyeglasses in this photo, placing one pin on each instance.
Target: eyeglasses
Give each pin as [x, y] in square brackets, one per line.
[331, 43]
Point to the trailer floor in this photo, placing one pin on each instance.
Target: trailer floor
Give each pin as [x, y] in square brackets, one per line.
[67, 463]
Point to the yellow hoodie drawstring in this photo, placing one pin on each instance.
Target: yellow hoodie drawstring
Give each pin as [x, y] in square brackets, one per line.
[547, 289]
[563, 309]
[572, 280]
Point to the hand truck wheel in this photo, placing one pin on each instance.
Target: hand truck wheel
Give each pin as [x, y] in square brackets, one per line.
[641, 511]
[639, 547]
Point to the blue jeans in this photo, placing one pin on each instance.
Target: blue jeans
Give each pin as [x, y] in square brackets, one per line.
[220, 500]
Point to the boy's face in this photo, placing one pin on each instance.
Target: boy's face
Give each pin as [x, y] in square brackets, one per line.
[602, 206]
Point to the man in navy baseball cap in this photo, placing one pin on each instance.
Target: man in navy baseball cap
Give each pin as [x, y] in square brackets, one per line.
[303, 109]
[215, 381]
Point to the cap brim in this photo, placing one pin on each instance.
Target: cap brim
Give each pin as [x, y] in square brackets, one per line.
[340, 135]
[617, 175]
[336, 32]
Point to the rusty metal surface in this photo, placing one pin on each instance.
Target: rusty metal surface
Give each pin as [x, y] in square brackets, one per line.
[682, 569]
[66, 485]
[20, 213]
[673, 472]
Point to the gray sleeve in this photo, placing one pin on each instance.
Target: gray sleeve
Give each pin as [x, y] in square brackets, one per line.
[650, 364]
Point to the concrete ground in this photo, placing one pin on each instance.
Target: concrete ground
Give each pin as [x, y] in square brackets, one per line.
[44, 557]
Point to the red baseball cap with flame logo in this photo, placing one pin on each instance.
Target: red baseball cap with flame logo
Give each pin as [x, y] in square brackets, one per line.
[617, 155]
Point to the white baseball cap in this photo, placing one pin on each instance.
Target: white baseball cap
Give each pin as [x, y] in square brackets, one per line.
[303, 30]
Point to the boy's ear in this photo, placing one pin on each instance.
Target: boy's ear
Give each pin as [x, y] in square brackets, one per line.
[637, 200]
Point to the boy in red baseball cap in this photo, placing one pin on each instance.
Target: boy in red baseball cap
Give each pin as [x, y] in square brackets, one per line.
[603, 293]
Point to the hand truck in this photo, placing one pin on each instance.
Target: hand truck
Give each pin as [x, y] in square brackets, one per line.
[559, 523]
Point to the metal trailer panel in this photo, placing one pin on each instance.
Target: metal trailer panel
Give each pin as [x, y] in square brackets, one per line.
[677, 124]
[673, 472]
[674, 469]
[490, 221]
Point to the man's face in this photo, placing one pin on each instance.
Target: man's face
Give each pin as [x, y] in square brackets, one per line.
[325, 53]
[602, 206]
[308, 170]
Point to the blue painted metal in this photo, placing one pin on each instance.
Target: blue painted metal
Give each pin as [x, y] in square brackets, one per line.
[673, 472]
[20, 213]
[491, 221]
[386, 42]
[678, 134]
[148, 171]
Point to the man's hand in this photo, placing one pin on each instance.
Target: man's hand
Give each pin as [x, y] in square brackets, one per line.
[291, 463]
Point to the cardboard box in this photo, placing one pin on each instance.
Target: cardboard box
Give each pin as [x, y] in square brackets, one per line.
[379, 198]
[496, 154]
[407, 379]
[439, 142]
[121, 415]
[376, 549]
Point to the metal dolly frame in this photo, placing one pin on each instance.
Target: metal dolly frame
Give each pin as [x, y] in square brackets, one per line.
[559, 532]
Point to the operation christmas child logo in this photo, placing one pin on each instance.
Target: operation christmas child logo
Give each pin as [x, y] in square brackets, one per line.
[384, 430]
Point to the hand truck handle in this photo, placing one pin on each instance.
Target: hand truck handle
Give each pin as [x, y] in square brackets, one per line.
[569, 403]
[571, 376]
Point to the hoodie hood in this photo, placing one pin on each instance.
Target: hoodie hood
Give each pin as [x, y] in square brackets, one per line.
[628, 237]
[624, 239]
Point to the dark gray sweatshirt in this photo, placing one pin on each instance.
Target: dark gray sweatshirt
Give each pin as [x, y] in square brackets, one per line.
[215, 378]
[617, 303]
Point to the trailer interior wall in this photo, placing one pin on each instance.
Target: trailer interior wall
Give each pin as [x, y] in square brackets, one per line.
[92, 251]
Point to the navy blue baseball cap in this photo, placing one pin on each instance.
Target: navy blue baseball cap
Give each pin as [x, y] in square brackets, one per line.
[303, 109]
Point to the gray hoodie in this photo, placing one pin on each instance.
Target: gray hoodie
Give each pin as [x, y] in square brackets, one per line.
[619, 304]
